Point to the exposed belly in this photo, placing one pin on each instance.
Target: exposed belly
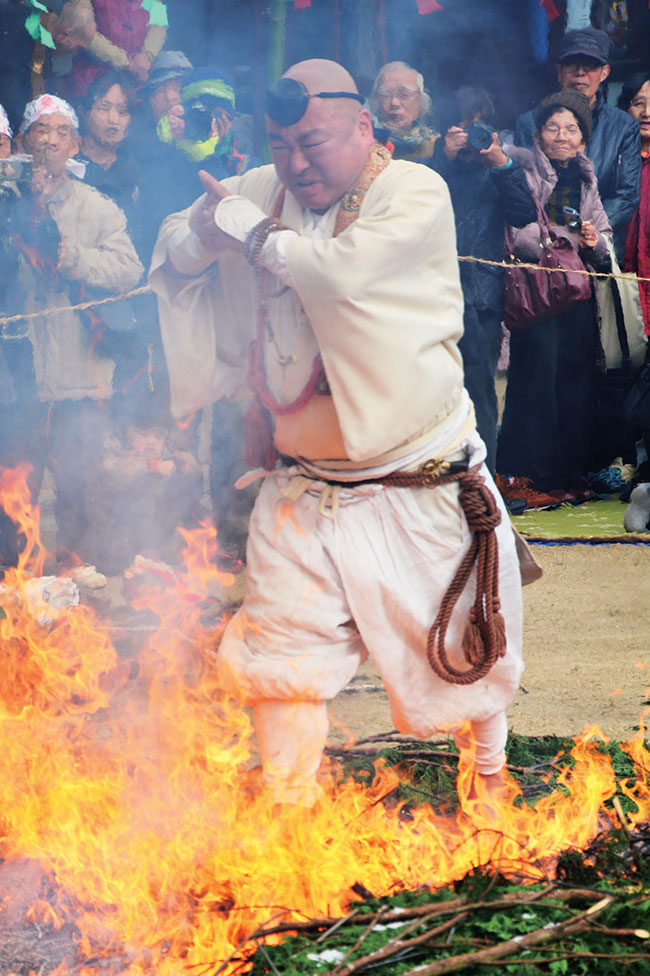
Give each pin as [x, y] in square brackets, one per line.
[313, 432]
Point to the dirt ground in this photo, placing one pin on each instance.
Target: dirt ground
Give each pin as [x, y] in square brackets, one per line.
[586, 648]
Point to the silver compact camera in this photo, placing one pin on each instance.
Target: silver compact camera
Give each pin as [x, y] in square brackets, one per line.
[572, 218]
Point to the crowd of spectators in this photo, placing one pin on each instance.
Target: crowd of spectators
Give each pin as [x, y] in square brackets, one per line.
[574, 164]
[84, 391]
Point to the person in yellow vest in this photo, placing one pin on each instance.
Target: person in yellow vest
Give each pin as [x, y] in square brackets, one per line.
[339, 265]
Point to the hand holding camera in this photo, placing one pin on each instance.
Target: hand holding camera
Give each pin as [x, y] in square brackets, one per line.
[588, 236]
[587, 233]
[455, 140]
[176, 119]
[479, 137]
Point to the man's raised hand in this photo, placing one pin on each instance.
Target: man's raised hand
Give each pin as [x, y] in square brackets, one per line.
[202, 218]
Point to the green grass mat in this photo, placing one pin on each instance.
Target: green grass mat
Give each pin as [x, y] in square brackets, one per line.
[597, 520]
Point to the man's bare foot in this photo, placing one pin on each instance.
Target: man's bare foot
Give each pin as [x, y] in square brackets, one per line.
[483, 795]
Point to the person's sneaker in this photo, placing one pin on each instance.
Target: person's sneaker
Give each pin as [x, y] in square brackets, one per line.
[511, 487]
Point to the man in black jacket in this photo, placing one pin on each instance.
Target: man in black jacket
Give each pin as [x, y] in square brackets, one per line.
[487, 189]
[614, 147]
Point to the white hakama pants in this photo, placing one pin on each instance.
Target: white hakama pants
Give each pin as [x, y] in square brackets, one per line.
[335, 576]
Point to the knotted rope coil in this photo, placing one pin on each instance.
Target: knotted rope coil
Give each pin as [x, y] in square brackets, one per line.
[484, 639]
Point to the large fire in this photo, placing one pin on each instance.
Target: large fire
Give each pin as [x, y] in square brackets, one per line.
[129, 783]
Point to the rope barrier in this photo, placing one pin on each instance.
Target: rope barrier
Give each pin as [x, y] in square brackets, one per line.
[624, 275]
[146, 289]
[7, 320]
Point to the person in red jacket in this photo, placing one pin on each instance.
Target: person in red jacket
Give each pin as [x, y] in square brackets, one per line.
[128, 37]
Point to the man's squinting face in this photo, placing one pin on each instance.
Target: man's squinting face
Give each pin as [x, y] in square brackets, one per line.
[320, 157]
[582, 74]
[399, 98]
[53, 141]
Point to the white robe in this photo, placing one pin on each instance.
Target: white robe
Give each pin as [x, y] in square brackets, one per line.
[382, 301]
[334, 575]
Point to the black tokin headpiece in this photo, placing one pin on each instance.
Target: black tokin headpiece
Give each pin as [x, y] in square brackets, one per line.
[287, 100]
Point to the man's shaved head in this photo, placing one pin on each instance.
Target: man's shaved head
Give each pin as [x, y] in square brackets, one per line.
[317, 75]
[320, 75]
[321, 155]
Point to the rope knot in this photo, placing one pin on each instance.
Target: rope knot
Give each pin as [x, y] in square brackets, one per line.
[479, 504]
[484, 637]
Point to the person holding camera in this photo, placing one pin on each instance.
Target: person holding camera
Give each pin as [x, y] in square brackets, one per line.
[72, 243]
[548, 441]
[206, 134]
[22, 418]
[202, 131]
[582, 65]
[487, 188]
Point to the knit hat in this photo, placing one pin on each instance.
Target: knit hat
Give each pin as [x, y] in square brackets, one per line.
[574, 101]
[165, 67]
[209, 81]
[47, 105]
[5, 128]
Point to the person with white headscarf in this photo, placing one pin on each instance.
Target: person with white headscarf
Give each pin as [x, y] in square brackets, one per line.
[73, 245]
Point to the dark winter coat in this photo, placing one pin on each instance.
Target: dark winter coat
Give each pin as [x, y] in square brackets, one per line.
[615, 151]
[483, 200]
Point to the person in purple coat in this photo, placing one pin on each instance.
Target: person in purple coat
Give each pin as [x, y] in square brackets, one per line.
[547, 440]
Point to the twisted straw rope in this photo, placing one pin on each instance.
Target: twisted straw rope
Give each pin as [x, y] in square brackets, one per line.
[146, 289]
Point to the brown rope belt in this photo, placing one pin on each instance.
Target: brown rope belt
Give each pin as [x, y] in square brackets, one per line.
[484, 639]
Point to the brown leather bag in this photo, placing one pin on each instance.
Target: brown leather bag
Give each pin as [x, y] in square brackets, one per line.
[532, 295]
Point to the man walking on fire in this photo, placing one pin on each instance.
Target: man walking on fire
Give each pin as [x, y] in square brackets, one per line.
[377, 515]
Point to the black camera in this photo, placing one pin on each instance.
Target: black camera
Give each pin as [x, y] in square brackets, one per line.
[572, 218]
[479, 135]
[198, 121]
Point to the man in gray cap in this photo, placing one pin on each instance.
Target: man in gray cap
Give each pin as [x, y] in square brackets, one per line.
[163, 88]
[614, 147]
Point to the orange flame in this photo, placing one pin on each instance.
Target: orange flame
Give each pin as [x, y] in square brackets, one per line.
[132, 782]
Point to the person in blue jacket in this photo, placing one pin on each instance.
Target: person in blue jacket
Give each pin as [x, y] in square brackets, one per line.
[614, 147]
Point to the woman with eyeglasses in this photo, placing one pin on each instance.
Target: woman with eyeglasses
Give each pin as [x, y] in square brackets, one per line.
[547, 444]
